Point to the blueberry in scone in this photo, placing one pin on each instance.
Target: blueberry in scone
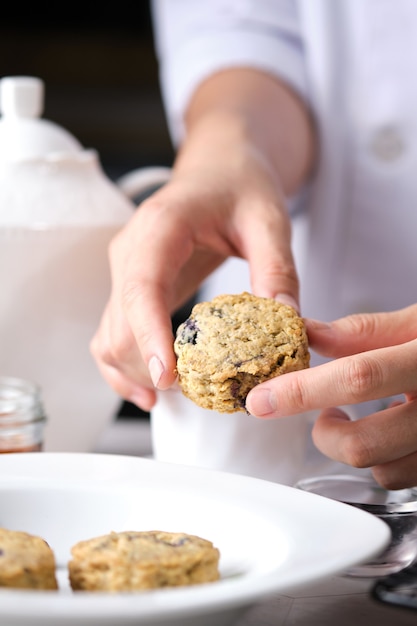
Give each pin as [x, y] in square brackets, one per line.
[234, 342]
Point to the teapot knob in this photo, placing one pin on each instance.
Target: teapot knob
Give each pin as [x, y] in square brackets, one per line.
[24, 134]
[21, 96]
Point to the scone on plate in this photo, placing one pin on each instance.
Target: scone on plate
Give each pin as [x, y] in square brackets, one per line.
[26, 561]
[234, 342]
[133, 561]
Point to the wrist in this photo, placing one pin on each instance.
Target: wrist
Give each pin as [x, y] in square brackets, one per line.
[251, 111]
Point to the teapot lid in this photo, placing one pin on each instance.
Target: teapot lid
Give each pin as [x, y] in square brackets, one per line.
[23, 134]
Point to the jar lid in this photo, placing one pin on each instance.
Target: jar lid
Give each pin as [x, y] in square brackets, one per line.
[24, 135]
[362, 492]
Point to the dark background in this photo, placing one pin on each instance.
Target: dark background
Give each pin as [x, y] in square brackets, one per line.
[100, 70]
[101, 75]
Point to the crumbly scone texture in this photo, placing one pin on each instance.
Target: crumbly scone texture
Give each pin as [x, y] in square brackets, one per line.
[26, 561]
[234, 342]
[134, 561]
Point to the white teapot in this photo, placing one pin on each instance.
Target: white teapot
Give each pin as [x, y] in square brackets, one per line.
[58, 212]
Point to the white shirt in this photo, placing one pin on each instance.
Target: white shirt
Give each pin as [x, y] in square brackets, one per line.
[354, 62]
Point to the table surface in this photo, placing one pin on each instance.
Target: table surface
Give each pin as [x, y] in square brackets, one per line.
[337, 601]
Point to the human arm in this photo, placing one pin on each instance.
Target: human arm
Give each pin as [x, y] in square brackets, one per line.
[249, 144]
[375, 358]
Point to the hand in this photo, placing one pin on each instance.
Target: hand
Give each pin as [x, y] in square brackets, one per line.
[173, 241]
[376, 357]
[250, 142]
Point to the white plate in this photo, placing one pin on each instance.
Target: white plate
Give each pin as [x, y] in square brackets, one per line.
[271, 537]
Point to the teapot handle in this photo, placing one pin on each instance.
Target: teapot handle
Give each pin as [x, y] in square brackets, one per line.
[139, 181]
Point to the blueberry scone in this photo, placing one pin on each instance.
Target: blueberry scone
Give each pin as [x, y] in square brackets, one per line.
[133, 561]
[26, 561]
[234, 342]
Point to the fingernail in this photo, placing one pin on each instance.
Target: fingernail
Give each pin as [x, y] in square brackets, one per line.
[285, 298]
[156, 369]
[261, 402]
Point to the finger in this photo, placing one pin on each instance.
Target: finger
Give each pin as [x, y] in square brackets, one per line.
[127, 387]
[267, 247]
[377, 439]
[147, 310]
[348, 380]
[399, 474]
[146, 291]
[360, 332]
[141, 396]
[114, 347]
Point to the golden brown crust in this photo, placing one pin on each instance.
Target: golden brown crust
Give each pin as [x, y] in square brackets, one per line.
[26, 561]
[131, 561]
[234, 342]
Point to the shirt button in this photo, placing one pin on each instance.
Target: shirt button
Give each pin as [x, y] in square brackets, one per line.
[388, 144]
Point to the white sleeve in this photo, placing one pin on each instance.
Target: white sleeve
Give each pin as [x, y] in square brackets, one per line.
[195, 39]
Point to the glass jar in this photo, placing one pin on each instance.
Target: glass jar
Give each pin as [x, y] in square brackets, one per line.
[22, 416]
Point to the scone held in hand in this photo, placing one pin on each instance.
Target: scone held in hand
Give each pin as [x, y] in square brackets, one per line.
[234, 342]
